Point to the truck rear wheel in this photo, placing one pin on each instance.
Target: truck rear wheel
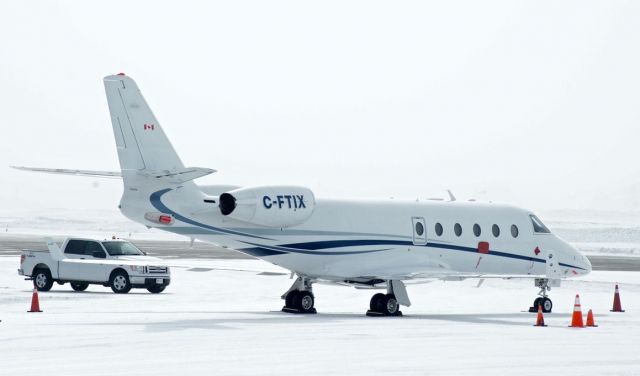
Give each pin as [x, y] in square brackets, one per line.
[79, 286]
[42, 279]
[120, 282]
[155, 289]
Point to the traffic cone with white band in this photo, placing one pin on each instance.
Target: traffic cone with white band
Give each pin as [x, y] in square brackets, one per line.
[576, 319]
[617, 306]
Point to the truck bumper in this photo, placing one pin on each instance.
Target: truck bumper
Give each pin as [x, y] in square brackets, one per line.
[144, 282]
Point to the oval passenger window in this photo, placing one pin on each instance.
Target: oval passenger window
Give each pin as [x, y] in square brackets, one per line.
[476, 230]
[439, 229]
[457, 229]
[496, 230]
[514, 231]
[419, 229]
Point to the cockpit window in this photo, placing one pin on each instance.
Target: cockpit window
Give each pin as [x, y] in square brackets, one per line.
[538, 226]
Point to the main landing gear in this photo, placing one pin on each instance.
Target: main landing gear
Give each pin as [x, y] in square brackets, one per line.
[299, 298]
[384, 305]
[388, 304]
[542, 300]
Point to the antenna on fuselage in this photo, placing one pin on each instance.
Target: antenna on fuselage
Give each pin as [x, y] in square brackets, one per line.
[451, 196]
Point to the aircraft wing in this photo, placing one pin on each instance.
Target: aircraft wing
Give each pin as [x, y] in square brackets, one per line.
[99, 174]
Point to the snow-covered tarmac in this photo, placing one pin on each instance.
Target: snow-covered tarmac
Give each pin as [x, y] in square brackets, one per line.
[222, 322]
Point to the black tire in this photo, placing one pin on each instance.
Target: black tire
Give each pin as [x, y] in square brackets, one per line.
[304, 301]
[373, 304]
[156, 289]
[547, 305]
[79, 286]
[119, 282]
[536, 303]
[42, 279]
[388, 305]
[290, 298]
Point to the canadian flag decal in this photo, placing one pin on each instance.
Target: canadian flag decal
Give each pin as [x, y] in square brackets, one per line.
[148, 127]
[536, 251]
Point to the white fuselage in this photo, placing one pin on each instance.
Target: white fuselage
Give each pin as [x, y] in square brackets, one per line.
[369, 239]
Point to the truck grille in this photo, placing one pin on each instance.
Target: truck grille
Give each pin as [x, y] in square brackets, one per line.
[157, 269]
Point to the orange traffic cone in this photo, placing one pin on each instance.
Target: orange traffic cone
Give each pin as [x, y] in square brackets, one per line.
[35, 302]
[617, 306]
[576, 319]
[540, 318]
[590, 321]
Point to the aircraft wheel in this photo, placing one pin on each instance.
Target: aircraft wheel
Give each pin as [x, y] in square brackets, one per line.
[290, 298]
[547, 305]
[373, 304]
[388, 305]
[536, 303]
[304, 301]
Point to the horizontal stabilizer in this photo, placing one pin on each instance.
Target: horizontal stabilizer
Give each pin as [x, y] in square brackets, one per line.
[99, 174]
[178, 176]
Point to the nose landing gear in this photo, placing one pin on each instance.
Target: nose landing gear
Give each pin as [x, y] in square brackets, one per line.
[546, 303]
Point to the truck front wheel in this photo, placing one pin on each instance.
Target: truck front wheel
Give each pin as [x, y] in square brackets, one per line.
[155, 289]
[120, 282]
[79, 286]
[42, 279]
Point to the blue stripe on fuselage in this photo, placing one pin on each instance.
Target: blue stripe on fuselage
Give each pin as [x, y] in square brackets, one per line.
[310, 247]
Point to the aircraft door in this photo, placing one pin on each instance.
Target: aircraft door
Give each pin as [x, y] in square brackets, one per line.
[419, 231]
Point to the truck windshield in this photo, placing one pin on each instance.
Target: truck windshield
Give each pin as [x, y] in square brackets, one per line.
[122, 249]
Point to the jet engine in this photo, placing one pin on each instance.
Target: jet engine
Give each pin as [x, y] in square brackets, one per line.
[271, 206]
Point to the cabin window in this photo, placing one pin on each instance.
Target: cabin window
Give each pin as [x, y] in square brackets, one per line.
[495, 229]
[419, 228]
[476, 230]
[439, 229]
[538, 226]
[514, 231]
[457, 229]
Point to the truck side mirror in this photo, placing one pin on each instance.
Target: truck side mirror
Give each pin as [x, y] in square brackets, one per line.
[99, 254]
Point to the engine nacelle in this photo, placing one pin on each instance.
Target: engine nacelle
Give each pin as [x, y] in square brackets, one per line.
[271, 206]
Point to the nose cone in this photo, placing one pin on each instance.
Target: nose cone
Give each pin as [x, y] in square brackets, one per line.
[572, 260]
[580, 261]
[587, 264]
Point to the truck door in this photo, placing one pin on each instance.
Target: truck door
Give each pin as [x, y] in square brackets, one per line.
[87, 266]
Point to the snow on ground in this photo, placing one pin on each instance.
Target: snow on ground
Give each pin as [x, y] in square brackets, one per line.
[223, 322]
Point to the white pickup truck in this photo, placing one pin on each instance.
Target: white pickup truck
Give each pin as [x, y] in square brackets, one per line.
[115, 263]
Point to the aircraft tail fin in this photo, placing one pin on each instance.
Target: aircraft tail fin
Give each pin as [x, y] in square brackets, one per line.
[141, 142]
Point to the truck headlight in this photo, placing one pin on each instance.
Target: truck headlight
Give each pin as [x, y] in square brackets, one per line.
[137, 268]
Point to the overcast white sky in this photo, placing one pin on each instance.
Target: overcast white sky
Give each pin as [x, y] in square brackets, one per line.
[533, 103]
